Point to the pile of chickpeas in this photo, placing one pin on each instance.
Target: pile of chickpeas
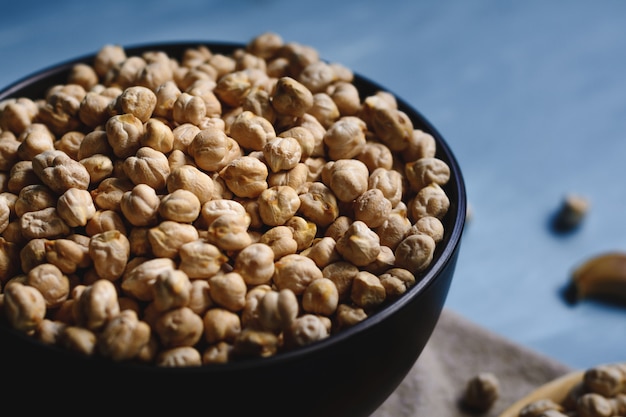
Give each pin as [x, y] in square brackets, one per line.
[211, 207]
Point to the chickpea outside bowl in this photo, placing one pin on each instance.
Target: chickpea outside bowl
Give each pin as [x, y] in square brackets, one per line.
[219, 228]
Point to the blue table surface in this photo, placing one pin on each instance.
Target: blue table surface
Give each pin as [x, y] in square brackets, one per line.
[530, 95]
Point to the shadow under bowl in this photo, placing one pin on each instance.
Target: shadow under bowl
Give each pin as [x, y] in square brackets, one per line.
[348, 374]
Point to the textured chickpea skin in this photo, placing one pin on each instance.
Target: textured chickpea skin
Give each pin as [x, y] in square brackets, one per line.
[255, 264]
[320, 297]
[200, 259]
[359, 245]
[123, 337]
[295, 272]
[96, 305]
[278, 204]
[24, 306]
[110, 252]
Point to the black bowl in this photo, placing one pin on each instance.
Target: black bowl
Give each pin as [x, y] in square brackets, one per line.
[348, 374]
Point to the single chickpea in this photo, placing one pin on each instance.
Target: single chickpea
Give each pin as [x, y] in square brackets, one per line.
[228, 290]
[200, 296]
[188, 177]
[199, 259]
[158, 136]
[295, 272]
[107, 58]
[179, 327]
[148, 166]
[32, 198]
[319, 204]
[321, 297]
[280, 239]
[51, 283]
[252, 131]
[255, 343]
[322, 251]
[94, 143]
[481, 391]
[429, 201]
[45, 223]
[221, 325]
[140, 206]
[245, 176]
[346, 97]
[294, 177]
[348, 316]
[8, 150]
[124, 133]
[35, 139]
[348, 178]
[123, 337]
[265, 45]
[24, 307]
[372, 208]
[257, 101]
[60, 172]
[393, 230]
[345, 138]
[305, 330]
[390, 182]
[21, 175]
[203, 88]
[188, 109]
[233, 87]
[213, 209]
[98, 166]
[229, 232]
[184, 134]
[110, 252]
[425, 171]
[103, 221]
[304, 231]
[359, 245]
[324, 109]
[291, 97]
[182, 356]
[109, 192]
[166, 95]
[430, 226]
[391, 125]
[277, 310]
[415, 252]
[49, 331]
[137, 100]
[210, 149]
[396, 281]
[18, 114]
[75, 206]
[255, 264]
[172, 289]
[181, 206]
[96, 304]
[78, 339]
[367, 290]
[168, 236]
[282, 153]
[278, 204]
[421, 145]
[138, 280]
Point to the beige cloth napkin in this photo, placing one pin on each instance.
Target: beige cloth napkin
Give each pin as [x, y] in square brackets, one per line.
[459, 350]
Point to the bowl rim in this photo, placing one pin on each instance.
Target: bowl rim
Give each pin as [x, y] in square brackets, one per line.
[445, 250]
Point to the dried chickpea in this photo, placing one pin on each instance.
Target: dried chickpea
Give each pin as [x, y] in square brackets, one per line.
[210, 148]
[372, 208]
[8, 150]
[415, 252]
[94, 143]
[221, 325]
[96, 305]
[367, 290]
[137, 100]
[172, 289]
[346, 97]
[51, 283]
[78, 339]
[393, 230]
[179, 327]
[277, 310]
[44, 223]
[17, 114]
[98, 166]
[291, 97]
[148, 166]
[109, 192]
[105, 220]
[199, 259]
[429, 201]
[429, 225]
[319, 204]
[396, 281]
[305, 330]
[123, 337]
[425, 171]
[252, 131]
[322, 251]
[359, 245]
[245, 176]
[421, 145]
[190, 178]
[21, 175]
[33, 198]
[481, 391]
[60, 172]
[168, 236]
[124, 133]
[295, 272]
[282, 153]
[34, 140]
[67, 255]
[255, 264]
[228, 290]
[181, 356]
[320, 297]
[75, 206]
[278, 204]
[348, 316]
[139, 280]
[24, 306]
[303, 231]
[347, 178]
[229, 232]
[158, 136]
[110, 251]
[181, 206]
[140, 205]
[200, 296]
[280, 239]
[255, 343]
